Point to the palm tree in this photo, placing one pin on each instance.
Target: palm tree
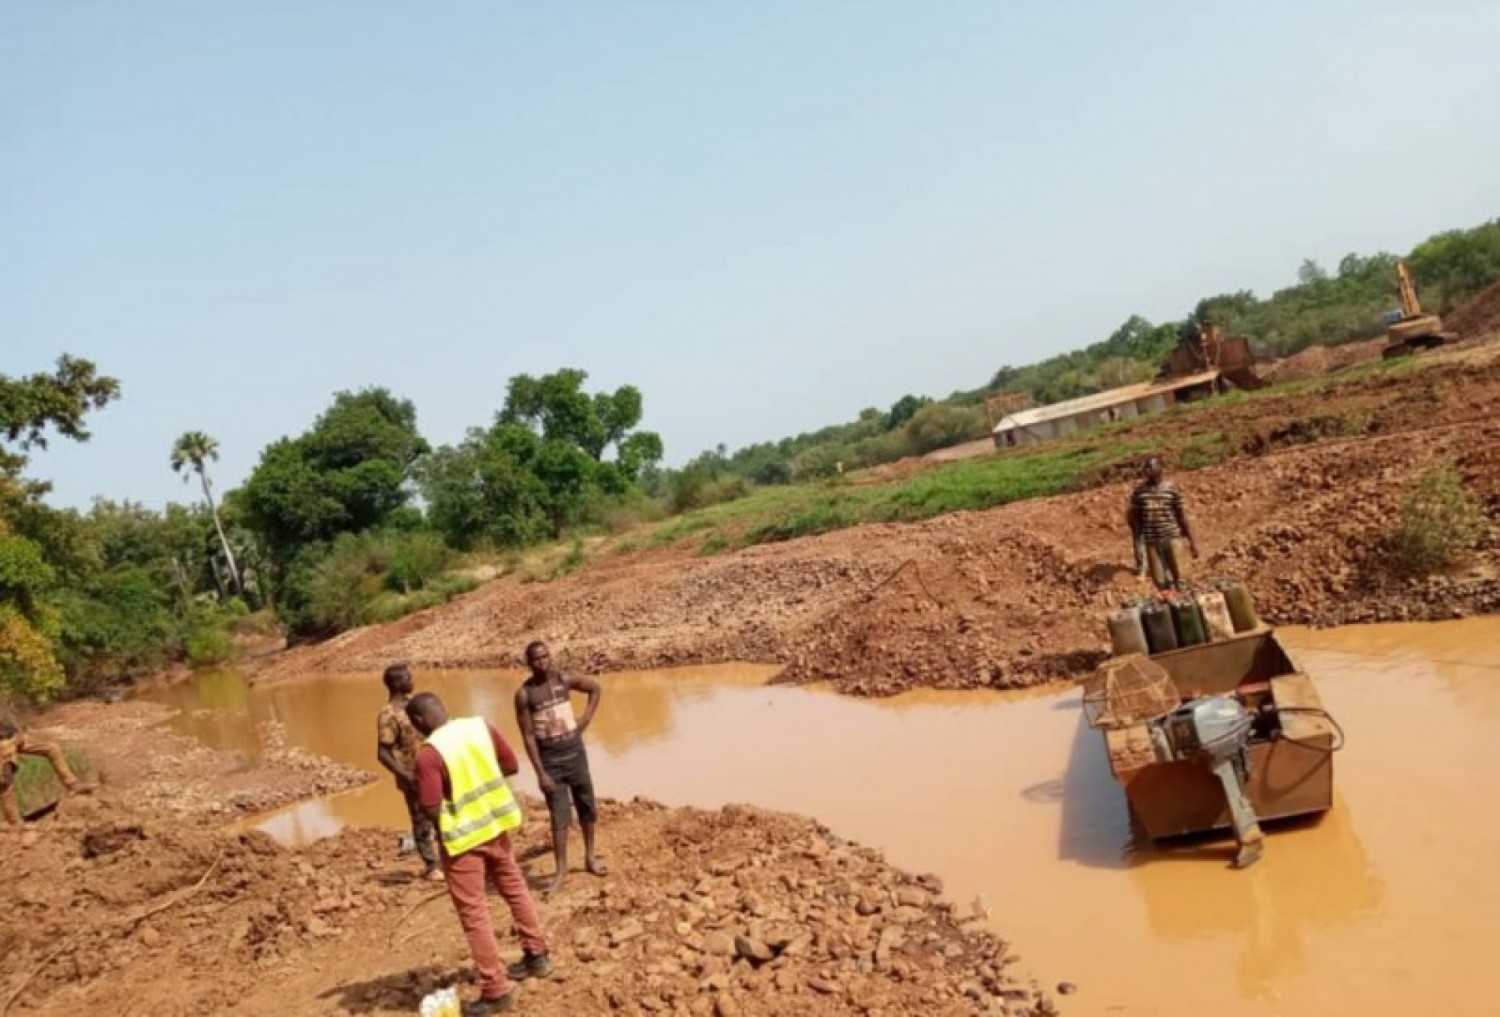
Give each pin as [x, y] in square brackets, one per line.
[193, 450]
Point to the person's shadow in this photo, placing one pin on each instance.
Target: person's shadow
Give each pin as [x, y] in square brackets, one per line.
[401, 991]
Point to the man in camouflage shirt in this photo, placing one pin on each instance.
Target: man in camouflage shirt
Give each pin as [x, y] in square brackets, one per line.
[397, 751]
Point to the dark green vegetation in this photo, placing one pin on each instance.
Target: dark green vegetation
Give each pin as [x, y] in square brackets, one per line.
[1323, 307]
[333, 509]
[325, 532]
[554, 458]
[87, 598]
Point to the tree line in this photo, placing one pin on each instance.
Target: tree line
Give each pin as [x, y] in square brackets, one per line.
[357, 519]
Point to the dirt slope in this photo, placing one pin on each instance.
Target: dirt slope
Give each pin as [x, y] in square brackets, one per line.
[1480, 316]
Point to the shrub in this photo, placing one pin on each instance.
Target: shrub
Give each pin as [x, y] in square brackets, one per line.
[344, 583]
[698, 488]
[943, 425]
[415, 560]
[207, 644]
[626, 512]
[256, 624]
[1439, 525]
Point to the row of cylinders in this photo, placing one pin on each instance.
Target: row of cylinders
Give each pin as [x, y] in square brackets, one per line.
[1171, 621]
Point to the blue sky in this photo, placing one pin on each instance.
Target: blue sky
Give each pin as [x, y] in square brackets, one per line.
[767, 215]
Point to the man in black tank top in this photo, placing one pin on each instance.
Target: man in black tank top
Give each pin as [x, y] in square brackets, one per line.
[554, 742]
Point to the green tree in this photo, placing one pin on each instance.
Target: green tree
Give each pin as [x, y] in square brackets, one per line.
[554, 455]
[349, 473]
[556, 407]
[192, 451]
[1311, 272]
[903, 410]
[61, 400]
[1452, 266]
[30, 407]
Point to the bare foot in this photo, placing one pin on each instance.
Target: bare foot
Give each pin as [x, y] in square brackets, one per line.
[556, 884]
[597, 867]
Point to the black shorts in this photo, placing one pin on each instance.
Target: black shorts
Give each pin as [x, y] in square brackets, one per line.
[573, 787]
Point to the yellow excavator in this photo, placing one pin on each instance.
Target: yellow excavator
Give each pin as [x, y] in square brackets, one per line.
[1410, 330]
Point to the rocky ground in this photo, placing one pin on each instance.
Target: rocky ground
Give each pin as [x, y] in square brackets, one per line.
[1302, 511]
[115, 907]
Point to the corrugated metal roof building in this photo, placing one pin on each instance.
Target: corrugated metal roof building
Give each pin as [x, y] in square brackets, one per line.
[1059, 420]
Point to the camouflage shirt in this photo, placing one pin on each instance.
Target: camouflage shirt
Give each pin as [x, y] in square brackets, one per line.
[394, 730]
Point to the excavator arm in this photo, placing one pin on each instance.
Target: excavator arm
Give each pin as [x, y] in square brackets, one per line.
[1411, 307]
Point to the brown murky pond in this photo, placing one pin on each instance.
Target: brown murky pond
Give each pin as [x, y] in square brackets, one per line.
[1390, 904]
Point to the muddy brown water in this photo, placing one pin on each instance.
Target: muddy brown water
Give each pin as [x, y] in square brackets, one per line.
[1389, 904]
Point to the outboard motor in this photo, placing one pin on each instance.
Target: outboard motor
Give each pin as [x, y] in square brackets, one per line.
[1215, 730]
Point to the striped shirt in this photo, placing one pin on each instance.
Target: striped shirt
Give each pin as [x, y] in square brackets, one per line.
[1156, 506]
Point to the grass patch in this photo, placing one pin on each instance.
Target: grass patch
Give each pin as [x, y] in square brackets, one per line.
[554, 561]
[1204, 450]
[682, 527]
[716, 544]
[970, 485]
[1440, 524]
[389, 606]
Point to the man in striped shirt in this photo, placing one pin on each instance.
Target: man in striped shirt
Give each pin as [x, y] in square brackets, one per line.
[1158, 526]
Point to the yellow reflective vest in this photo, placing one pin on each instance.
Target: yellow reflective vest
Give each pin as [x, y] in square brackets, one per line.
[481, 806]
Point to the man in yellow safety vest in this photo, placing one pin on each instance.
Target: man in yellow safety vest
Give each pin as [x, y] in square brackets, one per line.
[461, 786]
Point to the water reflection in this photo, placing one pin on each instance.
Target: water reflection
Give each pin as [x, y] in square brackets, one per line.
[1095, 825]
[1315, 877]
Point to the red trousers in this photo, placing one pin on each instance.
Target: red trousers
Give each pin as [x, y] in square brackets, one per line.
[494, 862]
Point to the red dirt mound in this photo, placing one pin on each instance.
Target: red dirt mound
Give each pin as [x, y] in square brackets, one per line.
[1480, 316]
[738, 911]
